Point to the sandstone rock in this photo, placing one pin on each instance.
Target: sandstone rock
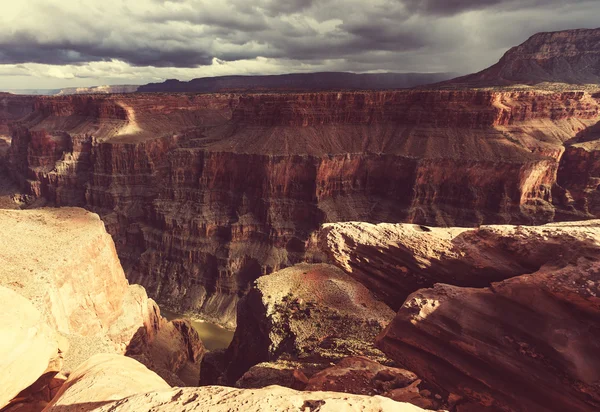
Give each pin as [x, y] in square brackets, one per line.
[175, 353]
[28, 347]
[313, 313]
[102, 379]
[360, 376]
[273, 398]
[112, 382]
[282, 372]
[66, 264]
[205, 193]
[395, 260]
[528, 343]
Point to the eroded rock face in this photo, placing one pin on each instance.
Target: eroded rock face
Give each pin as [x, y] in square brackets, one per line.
[569, 56]
[28, 347]
[394, 260]
[104, 378]
[65, 263]
[175, 353]
[203, 194]
[528, 343]
[111, 382]
[309, 313]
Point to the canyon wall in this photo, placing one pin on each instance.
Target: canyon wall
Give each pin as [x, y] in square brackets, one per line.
[205, 193]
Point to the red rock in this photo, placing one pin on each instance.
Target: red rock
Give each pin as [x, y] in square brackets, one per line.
[205, 193]
[363, 376]
[528, 343]
[338, 317]
[395, 260]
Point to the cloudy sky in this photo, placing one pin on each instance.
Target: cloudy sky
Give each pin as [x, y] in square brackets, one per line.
[64, 43]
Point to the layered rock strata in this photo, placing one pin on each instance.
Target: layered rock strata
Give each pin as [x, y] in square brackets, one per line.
[110, 382]
[525, 338]
[395, 260]
[205, 193]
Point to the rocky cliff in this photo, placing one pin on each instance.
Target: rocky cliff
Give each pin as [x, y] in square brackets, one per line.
[507, 317]
[205, 193]
[67, 298]
[570, 56]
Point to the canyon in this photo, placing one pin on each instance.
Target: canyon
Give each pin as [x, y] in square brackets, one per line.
[205, 193]
[434, 248]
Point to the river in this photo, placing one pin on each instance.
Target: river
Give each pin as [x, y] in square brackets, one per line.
[213, 336]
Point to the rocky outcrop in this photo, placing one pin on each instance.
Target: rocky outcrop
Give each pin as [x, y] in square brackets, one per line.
[569, 56]
[362, 376]
[110, 382]
[29, 348]
[65, 263]
[528, 343]
[314, 314]
[102, 379]
[175, 353]
[72, 275]
[394, 260]
[203, 194]
[580, 172]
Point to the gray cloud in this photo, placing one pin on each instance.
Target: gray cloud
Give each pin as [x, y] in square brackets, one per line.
[293, 35]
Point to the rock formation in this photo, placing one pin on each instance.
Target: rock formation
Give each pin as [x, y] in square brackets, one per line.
[524, 336]
[570, 56]
[308, 314]
[395, 260]
[205, 193]
[362, 376]
[110, 382]
[29, 348]
[60, 269]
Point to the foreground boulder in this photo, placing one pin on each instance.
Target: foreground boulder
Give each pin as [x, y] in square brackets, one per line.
[117, 383]
[315, 314]
[529, 343]
[28, 347]
[362, 376]
[395, 260]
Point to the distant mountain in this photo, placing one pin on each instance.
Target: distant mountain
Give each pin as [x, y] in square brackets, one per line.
[570, 56]
[299, 82]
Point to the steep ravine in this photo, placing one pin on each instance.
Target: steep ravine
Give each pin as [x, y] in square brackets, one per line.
[205, 193]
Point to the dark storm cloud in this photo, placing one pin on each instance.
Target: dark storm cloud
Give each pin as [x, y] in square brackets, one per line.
[449, 7]
[414, 35]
